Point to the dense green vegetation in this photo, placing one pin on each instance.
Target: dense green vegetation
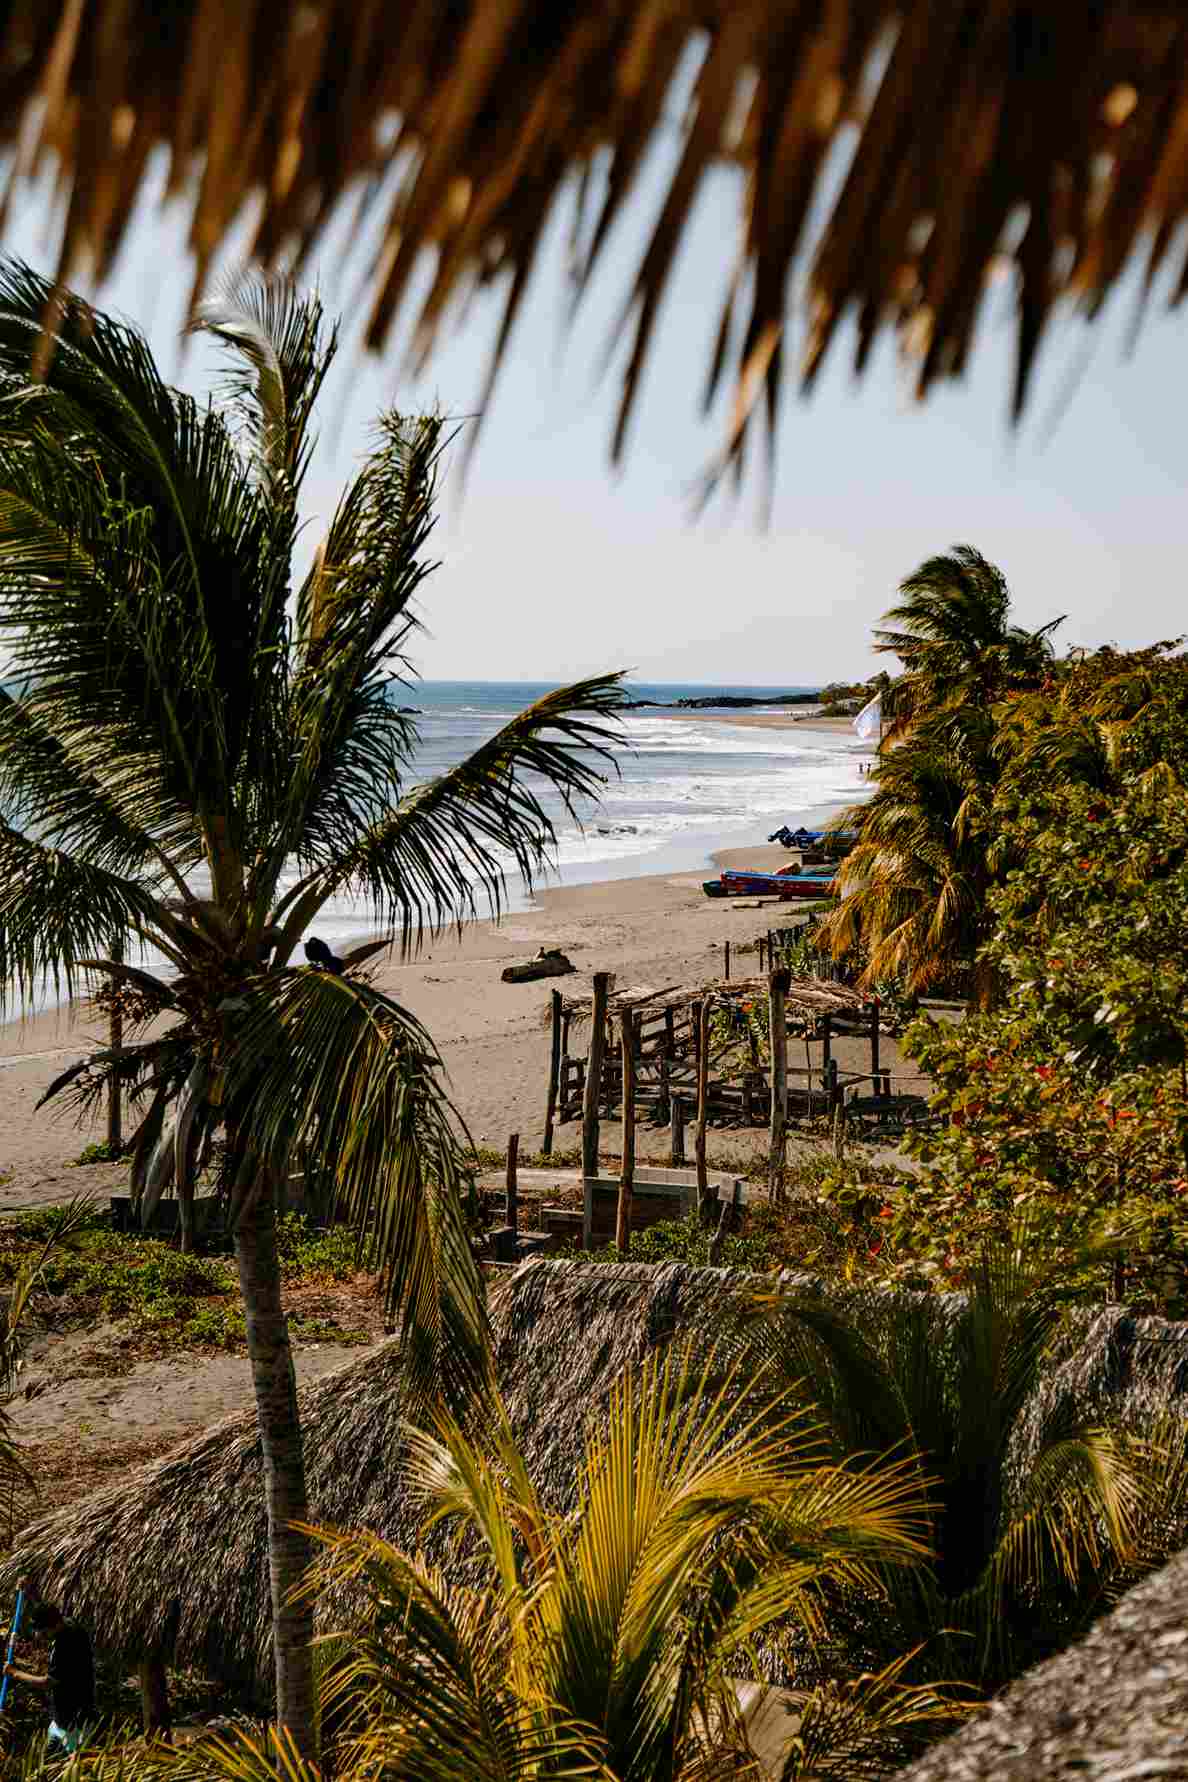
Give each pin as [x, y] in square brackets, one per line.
[1028, 835]
[164, 1300]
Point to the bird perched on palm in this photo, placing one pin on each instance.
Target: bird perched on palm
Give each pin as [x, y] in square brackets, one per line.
[319, 955]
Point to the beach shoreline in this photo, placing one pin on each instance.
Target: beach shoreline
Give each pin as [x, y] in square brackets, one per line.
[651, 924]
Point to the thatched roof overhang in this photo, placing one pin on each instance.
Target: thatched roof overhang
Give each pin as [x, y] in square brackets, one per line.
[174, 1555]
[805, 999]
[1045, 138]
[1112, 1708]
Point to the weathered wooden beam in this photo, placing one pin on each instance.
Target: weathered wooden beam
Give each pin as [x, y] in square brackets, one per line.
[512, 1214]
[590, 1110]
[627, 1168]
[704, 1204]
[115, 1089]
[677, 1132]
[154, 1700]
[554, 1074]
[778, 983]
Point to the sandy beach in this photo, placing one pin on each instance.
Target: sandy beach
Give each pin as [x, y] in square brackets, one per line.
[651, 928]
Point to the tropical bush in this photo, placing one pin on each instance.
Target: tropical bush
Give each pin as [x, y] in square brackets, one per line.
[1029, 1537]
[1071, 1100]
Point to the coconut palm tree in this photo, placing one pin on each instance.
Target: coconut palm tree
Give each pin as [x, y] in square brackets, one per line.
[913, 889]
[1036, 1515]
[953, 633]
[196, 755]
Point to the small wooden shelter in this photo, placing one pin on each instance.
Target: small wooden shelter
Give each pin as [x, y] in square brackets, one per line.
[667, 1028]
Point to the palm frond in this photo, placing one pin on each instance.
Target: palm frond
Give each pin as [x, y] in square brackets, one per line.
[1073, 1520]
[329, 1068]
[349, 741]
[427, 863]
[164, 618]
[858, 1731]
[56, 911]
[276, 334]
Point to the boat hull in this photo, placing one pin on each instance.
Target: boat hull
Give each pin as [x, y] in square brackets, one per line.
[771, 884]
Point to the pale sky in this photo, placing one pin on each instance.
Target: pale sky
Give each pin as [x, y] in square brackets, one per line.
[553, 567]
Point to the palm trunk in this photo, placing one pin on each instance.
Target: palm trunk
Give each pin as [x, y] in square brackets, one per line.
[284, 1468]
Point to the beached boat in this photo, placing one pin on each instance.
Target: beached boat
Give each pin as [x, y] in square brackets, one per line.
[809, 838]
[770, 884]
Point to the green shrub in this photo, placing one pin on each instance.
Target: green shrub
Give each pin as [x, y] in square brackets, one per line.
[306, 1253]
[99, 1152]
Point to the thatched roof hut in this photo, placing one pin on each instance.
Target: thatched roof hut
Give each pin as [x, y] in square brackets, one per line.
[1113, 1708]
[968, 121]
[173, 1557]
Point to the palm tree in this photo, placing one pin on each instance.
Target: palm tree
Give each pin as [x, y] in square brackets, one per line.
[195, 755]
[1024, 1558]
[953, 633]
[913, 889]
[604, 1643]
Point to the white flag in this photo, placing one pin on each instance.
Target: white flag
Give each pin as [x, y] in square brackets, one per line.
[869, 722]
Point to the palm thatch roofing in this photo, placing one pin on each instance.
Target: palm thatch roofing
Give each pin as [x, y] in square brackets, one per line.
[806, 999]
[1112, 1708]
[1041, 137]
[172, 1559]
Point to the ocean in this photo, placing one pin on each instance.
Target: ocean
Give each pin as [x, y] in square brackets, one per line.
[684, 787]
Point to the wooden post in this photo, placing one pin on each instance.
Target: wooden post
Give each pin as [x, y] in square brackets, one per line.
[512, 1204]
[727, 1219]
[115, 1093]
[778, 983]
[759, 949]
[839, 1130]
[727, 961]
[667, 1056]
[704, 1204]
[154, 1699]
[627, 1171]
[874, 1039]
[677, 1133]
[831, 1089]
[590, 1106]
[554, 1075]
[826, 1043]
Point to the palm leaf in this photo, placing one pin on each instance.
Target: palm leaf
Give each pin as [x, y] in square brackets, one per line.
[330, 1069]
[427, 862]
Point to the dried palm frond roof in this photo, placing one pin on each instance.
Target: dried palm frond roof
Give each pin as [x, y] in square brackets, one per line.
[173, 1558]
[1040, 135]
[1112, 1708]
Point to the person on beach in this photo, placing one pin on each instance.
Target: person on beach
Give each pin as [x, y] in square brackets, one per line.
[69, 1678]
